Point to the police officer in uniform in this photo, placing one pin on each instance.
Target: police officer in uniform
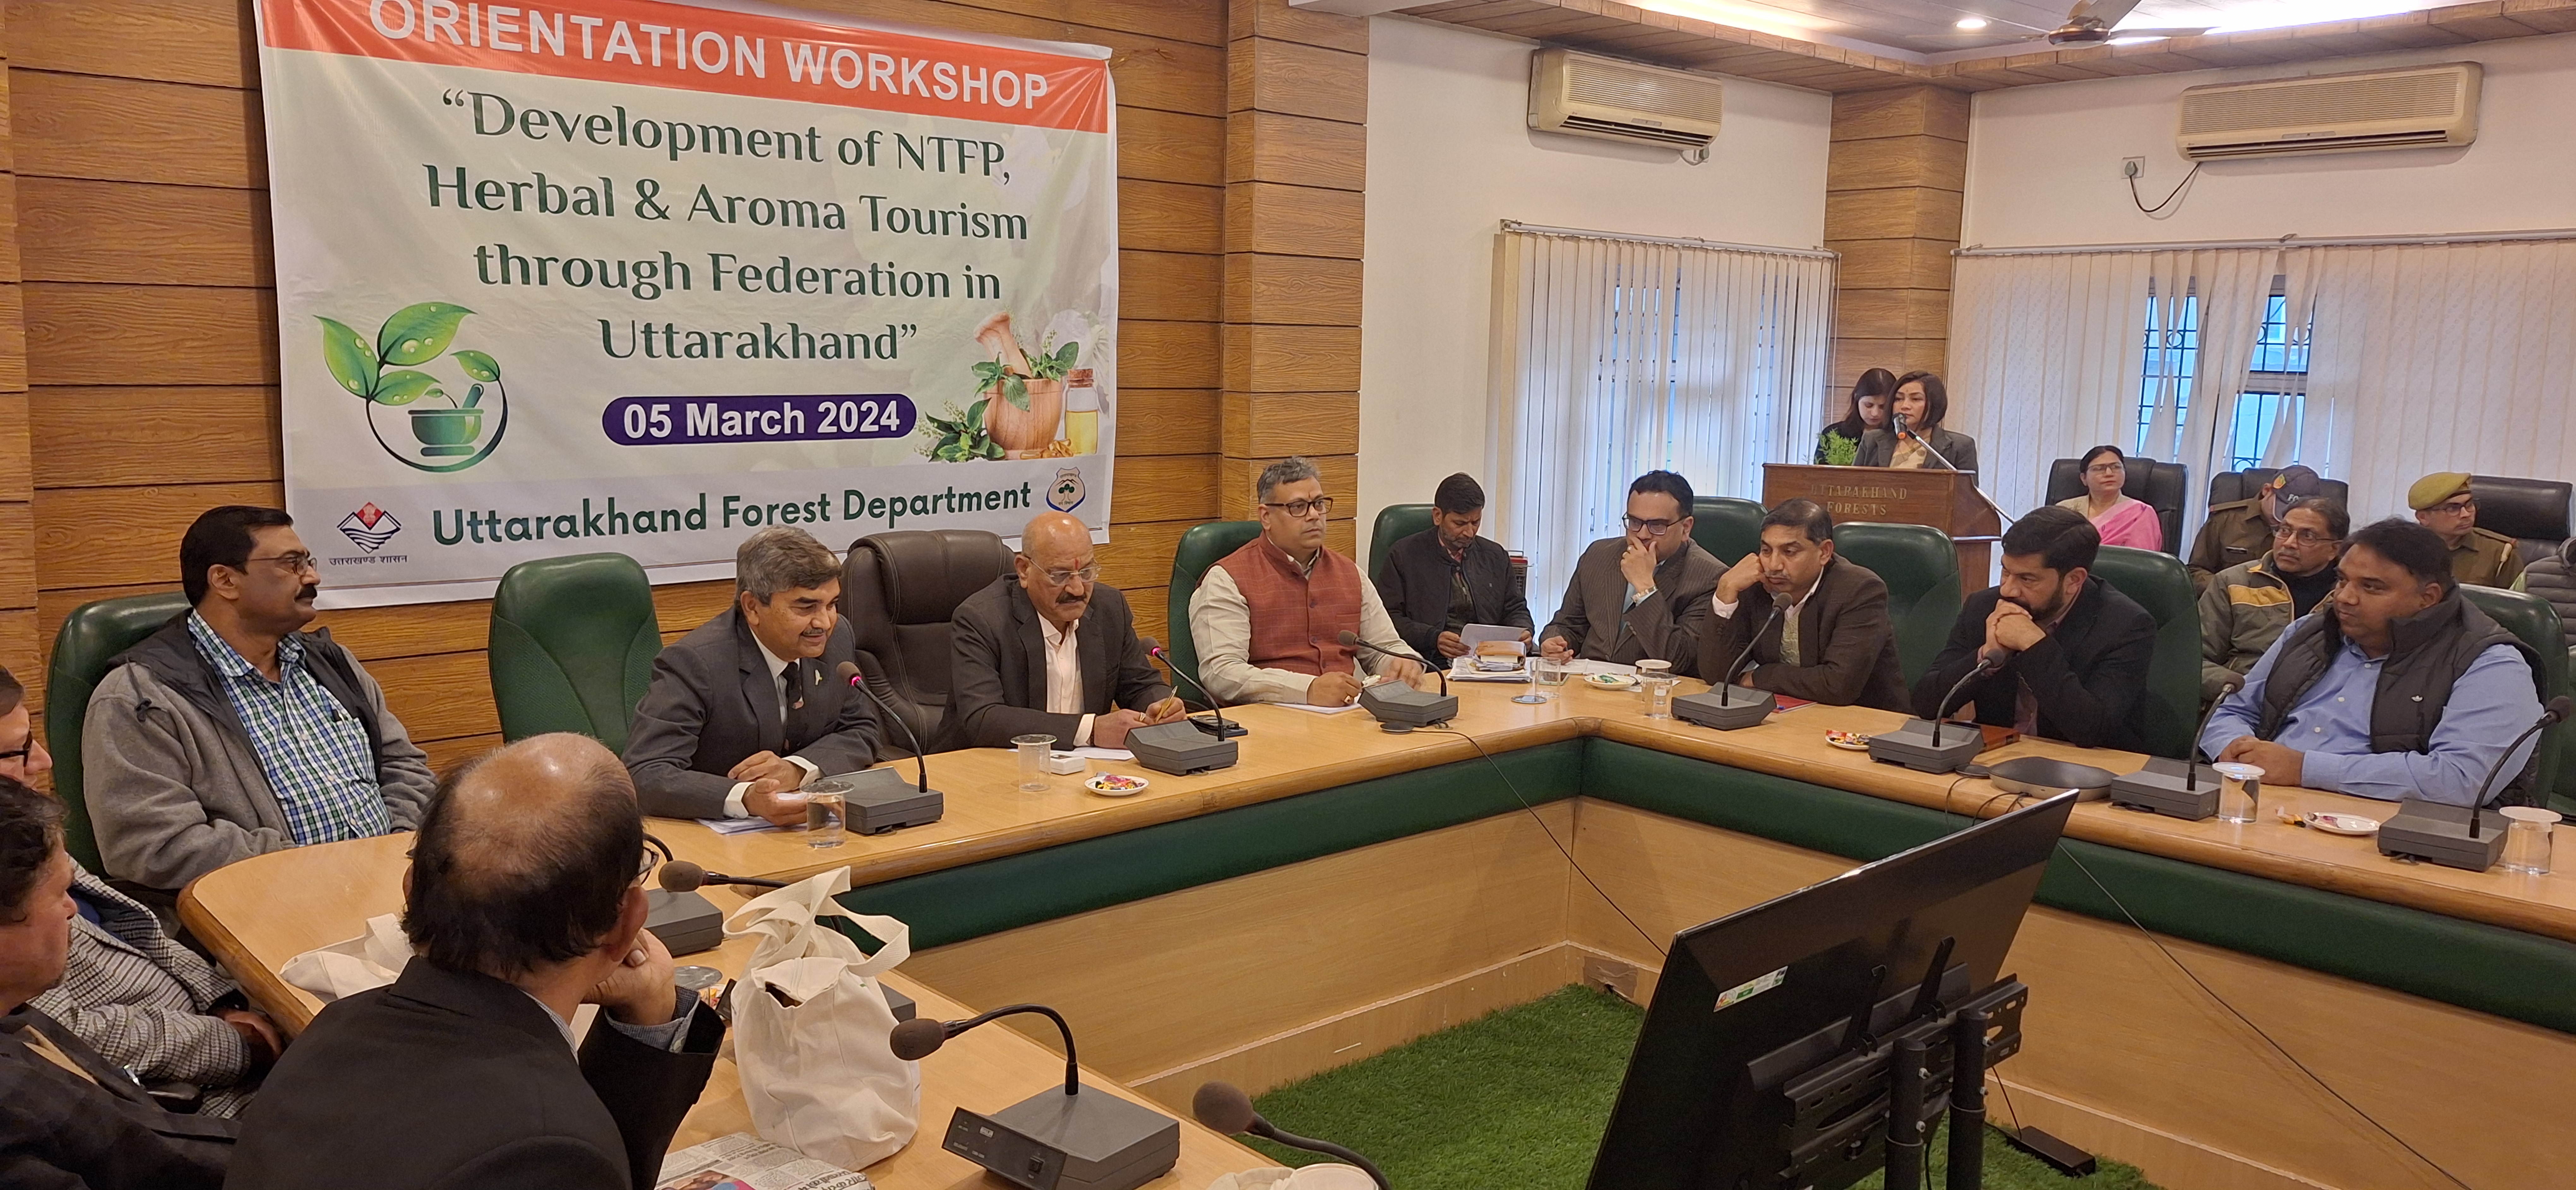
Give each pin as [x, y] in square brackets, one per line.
[2443, 504]
[2241, 531]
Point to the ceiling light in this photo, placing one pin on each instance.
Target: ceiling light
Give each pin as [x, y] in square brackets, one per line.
[2120, 40]
[1972, 23]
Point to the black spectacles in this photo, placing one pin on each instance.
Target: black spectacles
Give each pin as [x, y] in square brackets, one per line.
[1304, 508]
[294, 563]
[1656, 528]
[20, 754]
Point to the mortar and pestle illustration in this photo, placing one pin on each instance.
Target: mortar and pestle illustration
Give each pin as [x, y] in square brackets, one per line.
[1020, 432]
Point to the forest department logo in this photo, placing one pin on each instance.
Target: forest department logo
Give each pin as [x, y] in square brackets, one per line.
[387, 374]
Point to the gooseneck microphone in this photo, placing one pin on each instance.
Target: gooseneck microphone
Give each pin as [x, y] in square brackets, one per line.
[1225, 1108]
[1216, 706]
[1986, 664]
[1899, 420]
[921, 1037]
[2552, 713]
[849, 672]
[1727, 683]
[681, 876]
[2191, 758]
[1351, 640]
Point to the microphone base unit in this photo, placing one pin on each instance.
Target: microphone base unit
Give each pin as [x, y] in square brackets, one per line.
[1911, 745]
[1180, 749]
[1218, 725]
[1398, 703]
[685, 922]
[2439, 834]
[1726, 708]
[1055, 1141]
[902, 1006]
[2166, 787]
[880, 800]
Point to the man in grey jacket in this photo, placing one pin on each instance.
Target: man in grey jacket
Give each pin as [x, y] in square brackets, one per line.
[232, 732]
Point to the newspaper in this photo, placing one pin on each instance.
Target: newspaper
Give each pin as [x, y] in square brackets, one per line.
[746, 1162]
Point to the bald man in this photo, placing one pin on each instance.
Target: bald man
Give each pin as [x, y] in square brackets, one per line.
[1048, 650]
[524, 901]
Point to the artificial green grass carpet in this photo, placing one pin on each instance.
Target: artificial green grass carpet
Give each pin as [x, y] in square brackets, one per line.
[1518, 1099]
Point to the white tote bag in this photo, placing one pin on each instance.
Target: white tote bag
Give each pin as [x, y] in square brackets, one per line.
[809, 1025]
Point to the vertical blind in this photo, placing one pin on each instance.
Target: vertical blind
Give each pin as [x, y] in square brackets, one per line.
[1615, 355]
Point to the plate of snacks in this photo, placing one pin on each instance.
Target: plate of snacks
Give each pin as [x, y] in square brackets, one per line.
[1116, 785]
[1848, 741]
[1611, 681]
[2342, 824]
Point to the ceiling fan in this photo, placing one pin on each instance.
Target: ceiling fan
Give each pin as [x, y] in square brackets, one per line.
[2088, 23]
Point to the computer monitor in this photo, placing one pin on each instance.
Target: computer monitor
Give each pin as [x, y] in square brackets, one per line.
[1751, 1002]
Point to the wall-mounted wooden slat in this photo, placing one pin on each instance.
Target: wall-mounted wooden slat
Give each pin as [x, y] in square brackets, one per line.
[144, 233]
[1276, 19]
[17, 568]
[1161, 217]
[1139, 555]
[111, 436]
[1299, 80]
[1171, 286]
[1272, 425]
[1292, 359]
[1167, 354]
[1895, 162]
[181, 41]
[84, 126]
[17, 469]
[1296, 150]
[1293, 220]
[1167, 487]
[1169, 147]
[441, 696]
[1167, 421]
[161, 334]
[98, 537]
[1313, 290]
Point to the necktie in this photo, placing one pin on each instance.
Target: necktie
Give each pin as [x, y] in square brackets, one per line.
[795, 702]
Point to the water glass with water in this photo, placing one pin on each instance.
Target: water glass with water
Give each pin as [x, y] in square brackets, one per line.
[2527, 839]
[2240, 791]
[1655, 688]
[826, 813]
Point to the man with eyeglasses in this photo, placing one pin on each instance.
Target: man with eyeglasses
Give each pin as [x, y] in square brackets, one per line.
[2479, 557]
[1049, 650]
[2248, 605]
[1644, 594]
[1268, 618]
[232, 731]
[2240, 531]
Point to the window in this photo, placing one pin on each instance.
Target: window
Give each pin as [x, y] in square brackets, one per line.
[2277, 380]
[2172, 354]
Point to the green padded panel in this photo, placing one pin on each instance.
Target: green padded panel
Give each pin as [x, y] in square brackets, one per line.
[1018, 890]
[2480, 967]
[1201, 546]
[2535, 620]
[91, 637]
[2563, 790]
[1395, 522]
[572, 646]
[2158, 583]
[1920, 566]
[1726, 526]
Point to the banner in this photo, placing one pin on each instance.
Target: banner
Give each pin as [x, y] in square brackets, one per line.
[644, 277]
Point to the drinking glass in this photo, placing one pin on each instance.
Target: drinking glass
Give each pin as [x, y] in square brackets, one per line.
[826, 815]
[1033, 753]
[2240, 791]
[2527, 839]
[1547, 673]
[1655, 688]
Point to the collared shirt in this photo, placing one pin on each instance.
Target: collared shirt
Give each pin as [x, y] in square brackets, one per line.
[2490, 703]
[668, 1036]
[777, 683]
[1221, 626]
[1064, 677]
[314, 752]
[1788, 618]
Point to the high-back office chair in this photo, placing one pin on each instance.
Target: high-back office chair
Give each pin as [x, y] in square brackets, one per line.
[90, 638]
[2228, 487]
[1727, 526]
[2531, 511]
[2158, 583]
[1920, 566]
[2161, 486]
[1395, 522]
[2533, 619]
[572, 645]
[1201, 547]
[898, 589]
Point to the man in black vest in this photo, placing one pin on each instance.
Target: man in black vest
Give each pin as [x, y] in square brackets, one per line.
[2070, 654]
[2402, 687]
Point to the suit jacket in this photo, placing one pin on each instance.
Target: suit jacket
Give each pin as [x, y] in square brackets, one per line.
[997, 668]
[713, 701]
[60, 1132]
[1414, 585]
[2088, 673]
[1846, 646]
[1666, 625]
[459, 1081]
[1878, 449]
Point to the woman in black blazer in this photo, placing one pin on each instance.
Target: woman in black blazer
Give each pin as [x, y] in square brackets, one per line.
[1923, 401]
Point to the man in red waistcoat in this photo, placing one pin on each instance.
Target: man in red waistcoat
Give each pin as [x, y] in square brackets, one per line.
[1268, 618]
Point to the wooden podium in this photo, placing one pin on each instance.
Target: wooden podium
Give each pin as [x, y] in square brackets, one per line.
[1945, 500]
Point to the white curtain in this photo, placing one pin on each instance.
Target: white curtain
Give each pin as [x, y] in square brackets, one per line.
[1614, 356]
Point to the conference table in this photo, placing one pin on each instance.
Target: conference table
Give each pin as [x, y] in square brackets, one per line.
[2257, 1005]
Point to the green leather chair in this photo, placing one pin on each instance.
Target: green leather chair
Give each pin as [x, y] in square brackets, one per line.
[90, 638]
[2563, 790]
[1920, 566]
[1395, 522]
[1726, 526]
[572, 646]
[2158, 583]
[2534, 620]
[1200, 548]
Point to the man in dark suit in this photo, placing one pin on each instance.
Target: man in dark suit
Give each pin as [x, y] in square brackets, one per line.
[1832, 642]
[2069, 654]
[69, 1117]
[749, 706]
[1047, 650]
[1641, 595]
[1446, 577]
[524, 901]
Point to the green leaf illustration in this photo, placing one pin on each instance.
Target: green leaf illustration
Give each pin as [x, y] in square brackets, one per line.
[404, 387]
[975, 420]
[1017, 390]
[352, 361]
[479, 366]
[416, 334]
[1064, 358]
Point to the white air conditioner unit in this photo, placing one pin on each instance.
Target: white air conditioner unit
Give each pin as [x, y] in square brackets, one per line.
[2418, 107]
[1604, 97]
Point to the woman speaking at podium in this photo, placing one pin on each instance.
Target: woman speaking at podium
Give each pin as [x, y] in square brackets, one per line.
[1917, 439]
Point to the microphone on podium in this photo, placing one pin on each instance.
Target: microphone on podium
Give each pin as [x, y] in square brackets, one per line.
[1351, 640]
[1216, 721]
[849, 672]
[1225, 1108]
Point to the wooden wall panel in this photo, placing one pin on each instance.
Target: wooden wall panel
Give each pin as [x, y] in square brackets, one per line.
[1894, 174]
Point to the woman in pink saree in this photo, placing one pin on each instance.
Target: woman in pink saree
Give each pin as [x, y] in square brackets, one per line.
[2120, 520]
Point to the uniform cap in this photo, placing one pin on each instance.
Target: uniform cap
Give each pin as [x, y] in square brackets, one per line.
[2436, 488]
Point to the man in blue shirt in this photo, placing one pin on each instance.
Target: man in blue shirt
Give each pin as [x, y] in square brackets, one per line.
[2396, 686]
